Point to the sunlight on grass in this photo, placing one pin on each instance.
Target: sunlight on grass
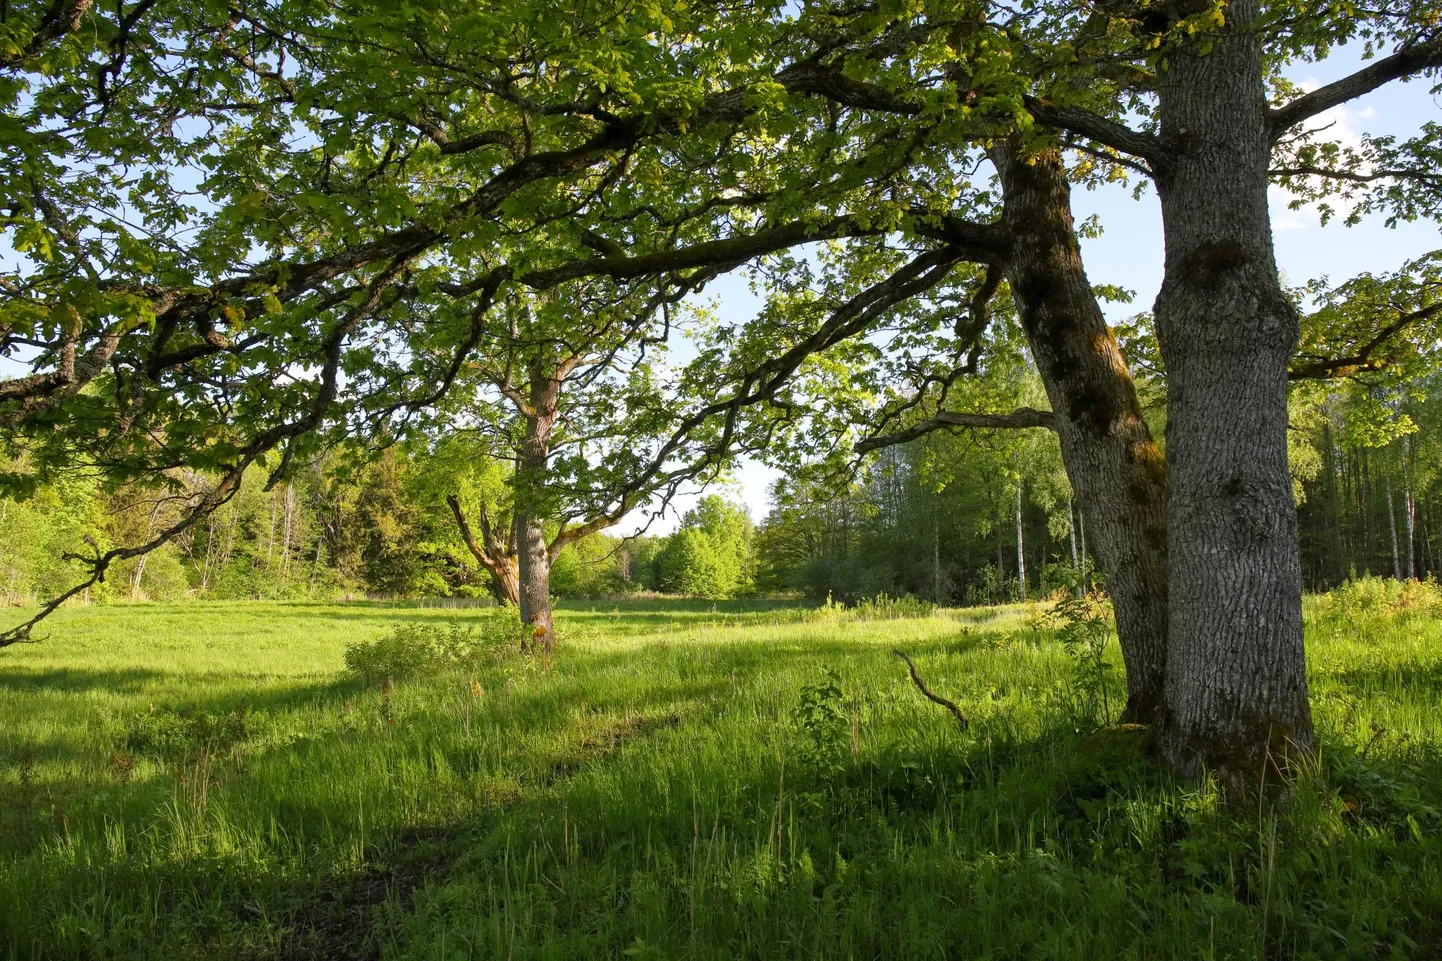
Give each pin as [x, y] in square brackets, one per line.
[206, 781]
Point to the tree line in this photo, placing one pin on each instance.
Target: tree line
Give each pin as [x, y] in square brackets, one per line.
[346, 527]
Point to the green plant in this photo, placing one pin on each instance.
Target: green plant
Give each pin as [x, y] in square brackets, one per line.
[1084, 625]
[883, 607]
[1362, 598]
[631, 798]
[170, 734]
[416, 650]
[823, 730]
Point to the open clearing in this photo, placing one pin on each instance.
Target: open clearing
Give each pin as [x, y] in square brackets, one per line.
[686, 781]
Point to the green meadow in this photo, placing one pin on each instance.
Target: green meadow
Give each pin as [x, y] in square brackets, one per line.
[688, 780]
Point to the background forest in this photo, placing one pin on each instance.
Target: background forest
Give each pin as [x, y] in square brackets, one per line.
[971, 518]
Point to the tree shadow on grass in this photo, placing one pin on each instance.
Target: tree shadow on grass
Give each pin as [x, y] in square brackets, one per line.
[904, 793]
[257, 691]
[347, 912]
[18, 679]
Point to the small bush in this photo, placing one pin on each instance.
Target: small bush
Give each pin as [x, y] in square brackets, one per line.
[416, 650]
[885, 608]
[1361, 598]
[169, 733]
[879, 608]
[821, 725]
[1085, 625]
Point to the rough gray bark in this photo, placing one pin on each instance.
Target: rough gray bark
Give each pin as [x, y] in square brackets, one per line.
[1119, 476]
[535, 582]
[1236, 687]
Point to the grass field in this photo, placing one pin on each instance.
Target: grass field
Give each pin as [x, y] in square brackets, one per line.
[687, 781]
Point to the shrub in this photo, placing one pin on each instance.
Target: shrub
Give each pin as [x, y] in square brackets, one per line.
[885, 608]
[1361, 598]
[821, 725]
[170, 733]
[1085, 625]
[985, 586]
[415, 650]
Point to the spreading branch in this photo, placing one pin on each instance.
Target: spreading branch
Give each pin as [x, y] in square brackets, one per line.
[62, 18]
[1430, 177]
[1023, 417]
[1365, 358]
[1103, 130]
[1404, 63]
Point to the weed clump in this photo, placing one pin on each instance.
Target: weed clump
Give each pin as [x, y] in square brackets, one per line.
[171, 733]
[821, 725]
[419, 650]
[885, 608]
[882, 607]
[1364, 598]
[1084, 626]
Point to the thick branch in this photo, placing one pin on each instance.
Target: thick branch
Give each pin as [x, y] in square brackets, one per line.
[761, 383]
[62, 18]
[982, 242]
[1023, 417]
[1404, 63]
[1329, 173]
[569, 535]
[1363, 359]
[930, 695]
[466, 535]
[1101, 129]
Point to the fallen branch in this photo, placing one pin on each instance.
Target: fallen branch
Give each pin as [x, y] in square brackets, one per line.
[931, 695]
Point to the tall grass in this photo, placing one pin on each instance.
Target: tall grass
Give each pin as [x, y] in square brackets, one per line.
[686, 781]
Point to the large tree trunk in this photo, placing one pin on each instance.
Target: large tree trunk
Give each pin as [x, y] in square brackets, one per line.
[535, 582]
[1236, 691]
[1116, 471]
[532, 497]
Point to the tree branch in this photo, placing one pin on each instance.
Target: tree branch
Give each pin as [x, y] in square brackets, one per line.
[1023, 417]
[1403, 63]
[62, 18]
[1362, 360]
[1101, 129]
[1330, 173]
[930, 695]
